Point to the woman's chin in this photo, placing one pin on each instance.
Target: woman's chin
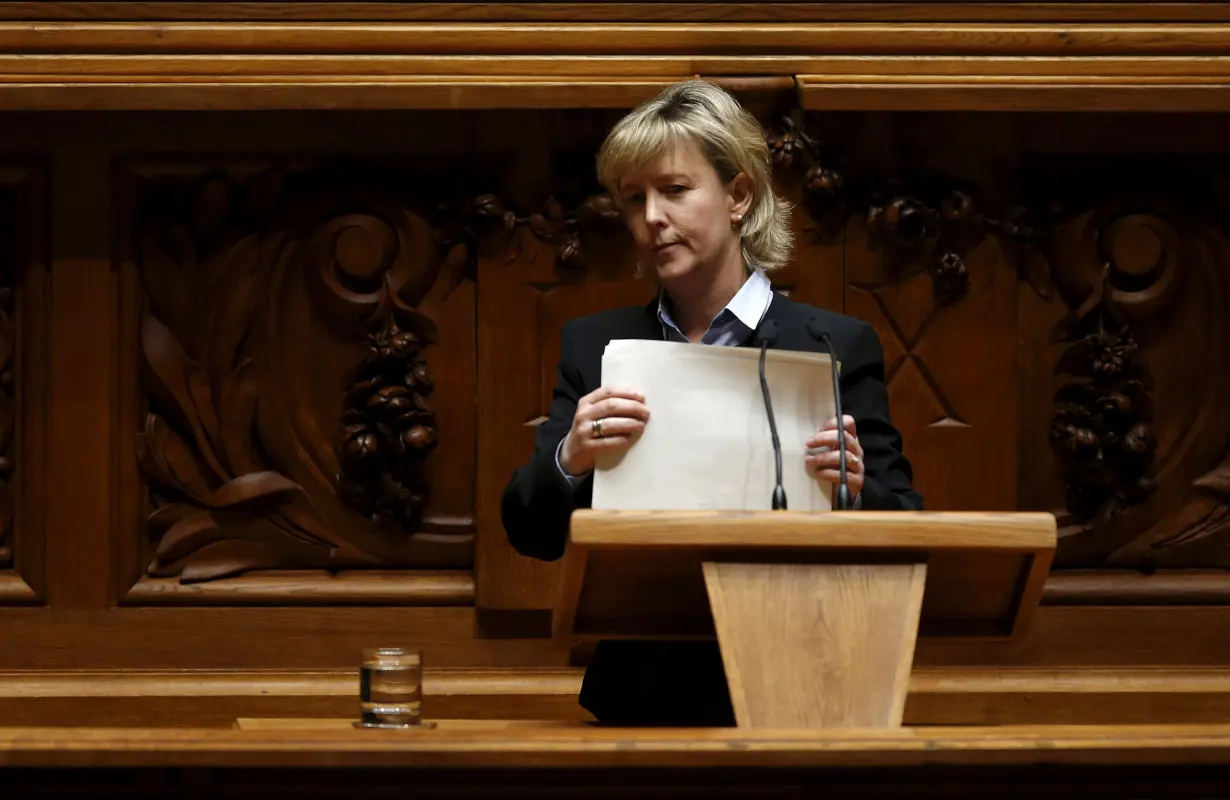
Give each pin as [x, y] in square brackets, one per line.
[673, 269]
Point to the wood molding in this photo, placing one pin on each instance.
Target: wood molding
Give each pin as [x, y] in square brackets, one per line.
[202, 65]
[644, 39]
[936, 696]
[311, 588]
[1078, 94]
[745, 11]
[572, 747]
[1105, 587]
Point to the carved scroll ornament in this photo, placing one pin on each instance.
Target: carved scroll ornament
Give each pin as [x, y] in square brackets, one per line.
[1138, 422]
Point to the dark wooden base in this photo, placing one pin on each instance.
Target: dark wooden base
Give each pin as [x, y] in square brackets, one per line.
[579, 760]
[1006, 783]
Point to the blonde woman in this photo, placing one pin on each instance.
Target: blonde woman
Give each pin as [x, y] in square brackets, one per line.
[690, 170]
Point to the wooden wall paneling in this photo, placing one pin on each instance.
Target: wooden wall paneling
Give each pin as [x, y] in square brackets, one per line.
[270, 637]
[23, 379]
[524, 302]
[82, 378]
[921, 268]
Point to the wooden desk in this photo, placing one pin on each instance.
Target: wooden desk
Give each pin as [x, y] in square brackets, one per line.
[541, 758]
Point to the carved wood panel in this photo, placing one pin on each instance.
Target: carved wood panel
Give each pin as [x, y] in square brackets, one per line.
[922, 266]
[305, 346]
[1140, 363]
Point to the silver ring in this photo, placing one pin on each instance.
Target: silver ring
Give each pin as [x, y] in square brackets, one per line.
[596, 428]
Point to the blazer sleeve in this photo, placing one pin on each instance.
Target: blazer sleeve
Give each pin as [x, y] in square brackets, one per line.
[536, 507]
[887, 481]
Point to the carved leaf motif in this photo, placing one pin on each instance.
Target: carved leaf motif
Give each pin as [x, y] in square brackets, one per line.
[228, 322]
[167, 517]
[165, 284]
[163, 452]
[1036, 268]
[1211, 520]
[1216, 481]
[186, 535]
[238, 409]
[168, 381]
[251, 487]
[228, 557]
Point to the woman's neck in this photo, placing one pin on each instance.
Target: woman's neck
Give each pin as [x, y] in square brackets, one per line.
[696, 302]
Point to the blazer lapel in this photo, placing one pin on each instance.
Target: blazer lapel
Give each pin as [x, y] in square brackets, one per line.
[777, 312]
[647, 323]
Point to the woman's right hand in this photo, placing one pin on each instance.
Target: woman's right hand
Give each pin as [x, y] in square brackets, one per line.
[606, 419]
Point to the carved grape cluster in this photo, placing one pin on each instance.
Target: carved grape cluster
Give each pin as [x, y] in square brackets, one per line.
[388, 430]
[1102, 423]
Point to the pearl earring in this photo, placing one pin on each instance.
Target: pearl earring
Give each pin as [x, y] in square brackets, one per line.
[738, 217]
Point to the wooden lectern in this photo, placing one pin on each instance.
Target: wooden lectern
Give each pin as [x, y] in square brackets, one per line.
[816, 615]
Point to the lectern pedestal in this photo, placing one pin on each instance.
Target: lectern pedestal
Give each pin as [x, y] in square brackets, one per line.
[816, 615]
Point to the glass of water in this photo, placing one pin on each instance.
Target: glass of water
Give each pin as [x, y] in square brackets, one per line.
[391, 688]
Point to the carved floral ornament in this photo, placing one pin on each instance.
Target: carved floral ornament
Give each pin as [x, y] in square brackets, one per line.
[247, 471]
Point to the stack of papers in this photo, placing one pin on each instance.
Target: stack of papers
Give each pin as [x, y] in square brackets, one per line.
[708, 444]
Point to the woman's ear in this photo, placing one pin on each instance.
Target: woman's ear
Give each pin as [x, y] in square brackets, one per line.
[740, 194]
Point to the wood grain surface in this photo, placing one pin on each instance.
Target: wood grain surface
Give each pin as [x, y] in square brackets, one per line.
[568, 745]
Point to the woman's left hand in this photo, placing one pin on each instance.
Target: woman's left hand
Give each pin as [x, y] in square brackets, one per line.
[823, 460]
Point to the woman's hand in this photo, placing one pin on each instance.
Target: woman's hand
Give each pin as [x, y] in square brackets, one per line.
[823, 459]
[606, 419]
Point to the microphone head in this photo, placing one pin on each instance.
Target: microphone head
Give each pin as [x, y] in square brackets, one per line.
[814, 330]
[768, 333]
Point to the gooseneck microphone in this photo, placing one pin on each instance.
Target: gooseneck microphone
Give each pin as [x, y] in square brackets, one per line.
[843, 488]
[768, 336]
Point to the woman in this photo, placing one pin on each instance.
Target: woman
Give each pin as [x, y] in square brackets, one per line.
[690, 169]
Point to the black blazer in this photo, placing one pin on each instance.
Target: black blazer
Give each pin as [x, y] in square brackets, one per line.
[538, 502]
[676, 682]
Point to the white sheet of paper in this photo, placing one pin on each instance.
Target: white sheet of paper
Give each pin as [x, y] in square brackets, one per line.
[708, 444]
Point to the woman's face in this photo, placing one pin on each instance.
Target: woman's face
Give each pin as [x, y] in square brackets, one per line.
[682, 215]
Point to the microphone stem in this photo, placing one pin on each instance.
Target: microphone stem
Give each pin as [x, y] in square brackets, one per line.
[779, 491]
[843, 487]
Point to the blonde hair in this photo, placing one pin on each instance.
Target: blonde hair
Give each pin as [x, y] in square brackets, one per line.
[732, 140]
